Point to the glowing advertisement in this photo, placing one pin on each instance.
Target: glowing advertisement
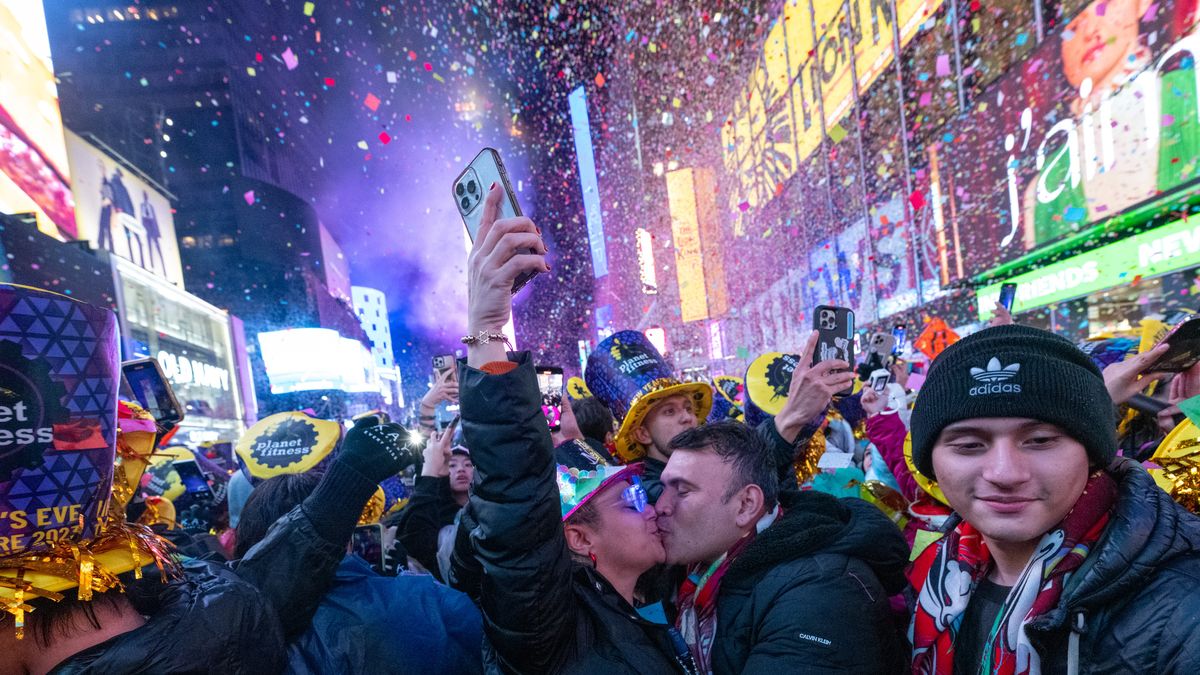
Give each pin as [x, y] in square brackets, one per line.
[120, 213]
[585, 154]
[689, 259]
[290, 358]
[34, 175]
[776, 120]
[1158, 251]
[1102, 116]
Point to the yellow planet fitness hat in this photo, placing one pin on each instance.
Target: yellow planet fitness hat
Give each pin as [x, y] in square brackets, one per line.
[287, 442]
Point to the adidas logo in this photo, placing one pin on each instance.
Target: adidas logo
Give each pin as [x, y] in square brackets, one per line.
[995, 379]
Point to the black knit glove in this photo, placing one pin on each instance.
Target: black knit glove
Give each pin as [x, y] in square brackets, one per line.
[378, 451]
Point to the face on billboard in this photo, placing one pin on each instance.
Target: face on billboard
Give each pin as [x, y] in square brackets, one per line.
[33, 160]
[1101, 117]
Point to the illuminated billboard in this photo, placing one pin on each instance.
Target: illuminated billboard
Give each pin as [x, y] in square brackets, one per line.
[685, 230]
[776, 120]
[119, 212]
[1101, 117]
[34, 176]
[588, 183]
[309, 359]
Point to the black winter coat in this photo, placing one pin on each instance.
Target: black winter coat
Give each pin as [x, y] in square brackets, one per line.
[810, 593]
[543, 613]
[210, 621]
[1137, 595]
[431, 508]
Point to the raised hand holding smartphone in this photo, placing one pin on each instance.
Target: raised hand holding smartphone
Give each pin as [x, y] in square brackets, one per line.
[496, 261]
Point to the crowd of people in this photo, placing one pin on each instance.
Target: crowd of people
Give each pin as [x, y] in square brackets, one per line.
[1010, 511]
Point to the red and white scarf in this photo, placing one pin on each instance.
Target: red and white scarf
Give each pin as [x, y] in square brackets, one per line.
[946, 574]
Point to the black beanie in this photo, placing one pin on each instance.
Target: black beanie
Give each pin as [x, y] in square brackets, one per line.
[1015, 371]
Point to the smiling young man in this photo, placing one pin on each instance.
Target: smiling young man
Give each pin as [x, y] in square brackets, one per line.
[1062, 559]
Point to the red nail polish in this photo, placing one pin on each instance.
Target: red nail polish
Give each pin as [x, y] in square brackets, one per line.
[493, 187]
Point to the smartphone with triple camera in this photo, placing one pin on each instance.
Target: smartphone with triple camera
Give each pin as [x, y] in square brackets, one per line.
[550, 382]
[835, 336]
[1008, 295]
[152, 390]
[443, 363]
[470, 189]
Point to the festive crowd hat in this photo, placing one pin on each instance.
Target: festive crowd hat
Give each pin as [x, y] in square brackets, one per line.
[287, 442]
[1176, 465]
[161, 479]
[576, 486]
[628, 375]
[62, 498]
[1020, 372]
[768, 380]
[577, 389]
[729, 392]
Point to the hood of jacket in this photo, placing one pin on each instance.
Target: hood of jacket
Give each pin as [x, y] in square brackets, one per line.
[207, 621]
[817, 523]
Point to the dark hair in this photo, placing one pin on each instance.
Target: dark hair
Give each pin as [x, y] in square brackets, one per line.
[594, 418]
[269, 502]
[735, 444]
[51, 619]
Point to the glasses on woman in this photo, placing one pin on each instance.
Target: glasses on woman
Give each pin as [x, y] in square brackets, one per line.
[635, 495]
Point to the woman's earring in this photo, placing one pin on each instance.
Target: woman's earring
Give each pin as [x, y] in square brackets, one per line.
[592, 556]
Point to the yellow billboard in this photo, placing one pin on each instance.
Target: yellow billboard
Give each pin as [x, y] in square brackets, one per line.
[806, 68]
[685, 231]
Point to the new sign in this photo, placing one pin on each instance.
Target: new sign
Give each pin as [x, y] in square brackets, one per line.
[1161, 250]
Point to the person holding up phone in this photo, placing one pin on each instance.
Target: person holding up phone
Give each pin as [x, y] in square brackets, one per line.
[425, 526]
[561, 552]
[444, 390]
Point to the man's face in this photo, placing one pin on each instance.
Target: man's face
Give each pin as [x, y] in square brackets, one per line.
[696, 522]
[1013, 479]
[462, 472]
[1098, 38]
[666, 420]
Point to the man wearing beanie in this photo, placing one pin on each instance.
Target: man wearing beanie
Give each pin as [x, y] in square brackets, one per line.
[1062, 558]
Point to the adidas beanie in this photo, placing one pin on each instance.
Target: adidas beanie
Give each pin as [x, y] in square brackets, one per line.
[1015, 371]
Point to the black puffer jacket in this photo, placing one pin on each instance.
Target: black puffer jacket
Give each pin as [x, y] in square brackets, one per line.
[542, 612]
[810, 593]
[431, 508]
[210, 621]
[1137, 596]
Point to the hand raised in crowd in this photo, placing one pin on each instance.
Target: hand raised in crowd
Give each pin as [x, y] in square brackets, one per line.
[437, 453]
[495, 262]
[1183, 386]
[444, 389]
[1127, 378]
[811, 390]
[872, 401]
[1001, 316]
[377, 451]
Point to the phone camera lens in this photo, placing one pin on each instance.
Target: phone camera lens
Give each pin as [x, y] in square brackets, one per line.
[459, 189]
[471, 187]
[466, 203]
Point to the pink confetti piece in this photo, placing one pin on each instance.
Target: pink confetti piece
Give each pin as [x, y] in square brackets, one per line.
[372, 102]
[384, 137]
[943, 65]
[249, 197]
[289, 59]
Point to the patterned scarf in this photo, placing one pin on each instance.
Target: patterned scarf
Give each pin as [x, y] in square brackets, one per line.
[697, 603]
[947, 573]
